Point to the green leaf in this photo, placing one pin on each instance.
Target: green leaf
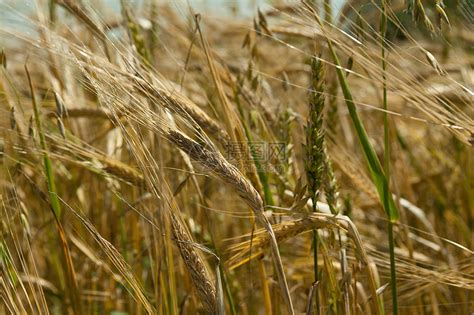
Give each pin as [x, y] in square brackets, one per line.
[373, 163]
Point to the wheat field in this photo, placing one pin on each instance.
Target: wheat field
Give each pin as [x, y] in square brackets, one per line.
[309, 157]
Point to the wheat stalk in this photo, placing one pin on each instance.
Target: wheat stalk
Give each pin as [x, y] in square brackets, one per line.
[231, 175]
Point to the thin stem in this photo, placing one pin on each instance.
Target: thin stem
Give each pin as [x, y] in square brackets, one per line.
[393, 273]
[266, 290]
[73, 291]
[315, 259]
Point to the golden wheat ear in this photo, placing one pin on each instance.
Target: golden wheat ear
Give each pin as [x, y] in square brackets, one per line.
[214, 162]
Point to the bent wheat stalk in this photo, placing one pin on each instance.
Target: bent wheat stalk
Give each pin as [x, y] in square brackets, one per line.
[231, 175]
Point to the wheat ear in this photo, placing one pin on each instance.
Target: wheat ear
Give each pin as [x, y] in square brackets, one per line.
[231, 175]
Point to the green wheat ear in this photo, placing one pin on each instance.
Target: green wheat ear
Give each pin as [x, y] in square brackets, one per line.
[314, 162]
[318, 167]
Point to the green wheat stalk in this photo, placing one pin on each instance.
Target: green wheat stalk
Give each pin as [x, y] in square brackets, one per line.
[386, 196]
